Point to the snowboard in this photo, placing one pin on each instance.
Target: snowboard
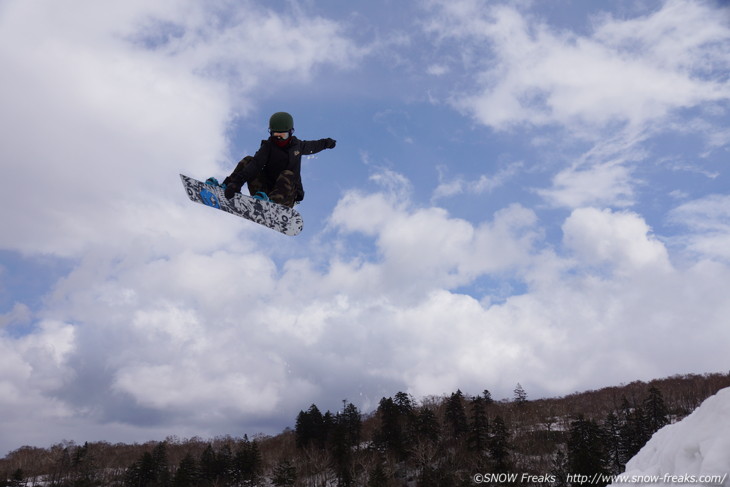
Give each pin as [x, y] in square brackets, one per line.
[267, 213]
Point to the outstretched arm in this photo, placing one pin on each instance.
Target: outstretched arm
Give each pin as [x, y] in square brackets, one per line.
[314, 146]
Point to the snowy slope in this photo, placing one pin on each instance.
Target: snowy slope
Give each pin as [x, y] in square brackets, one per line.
[693, 451]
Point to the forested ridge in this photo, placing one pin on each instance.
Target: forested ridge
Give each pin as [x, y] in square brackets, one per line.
[435, 441]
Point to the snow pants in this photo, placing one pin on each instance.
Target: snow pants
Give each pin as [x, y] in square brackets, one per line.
[283, 190]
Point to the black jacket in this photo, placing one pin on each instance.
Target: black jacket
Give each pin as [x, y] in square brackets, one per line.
[270, 160]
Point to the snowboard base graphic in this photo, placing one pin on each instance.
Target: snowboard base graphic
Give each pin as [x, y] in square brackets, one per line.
[267, 213]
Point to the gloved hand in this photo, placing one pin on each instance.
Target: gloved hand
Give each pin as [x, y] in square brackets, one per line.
[329, 143]
[231, 189]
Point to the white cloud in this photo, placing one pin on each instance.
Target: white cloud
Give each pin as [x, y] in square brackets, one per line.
[20, 314]
[617, 86]
[710, 213]
[32, 370]
[708, 218]
[206, 339]
[416, 255]
[626, 71]
[622, 239]
[600, 184]
[249, 45]
[437, 69]
[448, 187]
[670, 38]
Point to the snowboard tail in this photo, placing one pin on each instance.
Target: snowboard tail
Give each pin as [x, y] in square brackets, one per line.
[267, 213]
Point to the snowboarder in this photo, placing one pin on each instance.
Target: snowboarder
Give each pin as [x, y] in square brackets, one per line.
[274, 172]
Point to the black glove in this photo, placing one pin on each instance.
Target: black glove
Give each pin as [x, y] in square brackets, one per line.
[330, 143]
[231, 189]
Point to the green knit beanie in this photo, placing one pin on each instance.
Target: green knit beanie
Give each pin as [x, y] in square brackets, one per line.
[281, 122]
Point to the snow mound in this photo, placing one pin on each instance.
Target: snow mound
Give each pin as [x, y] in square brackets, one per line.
[693, 451]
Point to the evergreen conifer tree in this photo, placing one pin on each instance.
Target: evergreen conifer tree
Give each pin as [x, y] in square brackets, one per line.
[404, 402]
[392, 432]
[520, 397]
[656, 415]
[378, 477]
[17, 479]
[350, 420]
[84, 467]
[408, 413]
[345, 438]
[487, 397]
[632, 430]
[247, 463]
[586, 448]
[456, 415]
[211, 469]
[499, 446]
[479, 427]
[612, 437]
[427, 426]
[187, 474]
[312, 428]
[160, 465]
[285, 474]
[141, 473]
[225, 465]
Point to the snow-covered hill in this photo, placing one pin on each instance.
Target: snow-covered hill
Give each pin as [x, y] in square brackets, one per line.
[694, 451]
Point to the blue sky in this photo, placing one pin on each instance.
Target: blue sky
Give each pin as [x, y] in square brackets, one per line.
[524, 192]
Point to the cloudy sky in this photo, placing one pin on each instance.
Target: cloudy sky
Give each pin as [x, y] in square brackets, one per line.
[532, 192]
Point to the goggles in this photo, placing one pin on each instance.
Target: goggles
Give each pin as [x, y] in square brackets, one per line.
[282, 134]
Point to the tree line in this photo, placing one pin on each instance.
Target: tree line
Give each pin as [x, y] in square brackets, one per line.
[437, 441]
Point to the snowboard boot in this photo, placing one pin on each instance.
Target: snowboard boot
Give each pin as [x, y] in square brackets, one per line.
[214, 182]
[260, 195]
